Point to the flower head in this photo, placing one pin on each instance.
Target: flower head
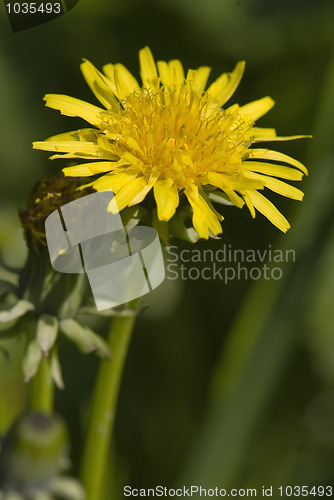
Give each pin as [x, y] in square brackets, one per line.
[33, 458]
[173, 137]
[49, 193]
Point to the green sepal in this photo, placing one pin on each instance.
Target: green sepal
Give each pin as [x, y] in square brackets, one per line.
[32, 453]
[12, 309]
[178, 228]
[41, 495]
[219, 197]
[31, 360]
[161, 227]
[7, 287]
[86, 340]
[131, 216]
[67, 488]
[47, 331]
[56, 370]
[90, 309]
[6, 267]
[11, 495]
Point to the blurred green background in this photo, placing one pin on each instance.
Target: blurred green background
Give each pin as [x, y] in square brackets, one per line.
[227, 385]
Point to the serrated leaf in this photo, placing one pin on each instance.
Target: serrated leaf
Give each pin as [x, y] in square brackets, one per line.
[47, 330]
[31, 360]
[56, 370]
[85, 339]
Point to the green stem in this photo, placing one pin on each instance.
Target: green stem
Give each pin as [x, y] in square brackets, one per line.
[104, 404]
[42, 389]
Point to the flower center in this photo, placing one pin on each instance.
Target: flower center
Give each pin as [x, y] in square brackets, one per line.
[177, 134]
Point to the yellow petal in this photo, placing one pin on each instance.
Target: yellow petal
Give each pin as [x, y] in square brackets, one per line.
[249, 203]
[176, 72]
[70, 106]
[125, 81]
[132, 144]
[267, 154]
[225, 86]
[109, 71]
[131, 193]
[282, 138]
[67, 146]
[128, 157]
[269, 210]
[77, 148]
[83, 135]
[264, 132]
[204, 219]
[277, 186]
[199, 77]
[167, 199]
[77, 171]
[164, 74]
[271, 169]
[100, 85]
[89, 155]
[148, 70]
[219, 181]
[88, 169]
[99, 167]
[147, 186]
[114, 181]
[255, 109]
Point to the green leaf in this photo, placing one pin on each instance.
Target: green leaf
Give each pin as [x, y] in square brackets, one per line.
[85, 339]
[47, 330]
[31, 360]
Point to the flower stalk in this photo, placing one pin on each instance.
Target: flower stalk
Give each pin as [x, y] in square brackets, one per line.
[104, 404]
[42, 389]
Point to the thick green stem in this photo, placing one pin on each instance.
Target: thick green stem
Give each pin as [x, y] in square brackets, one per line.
[103, 409]
[42, 389]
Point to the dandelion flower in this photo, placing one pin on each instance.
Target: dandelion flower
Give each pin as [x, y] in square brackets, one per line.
[172, 137]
